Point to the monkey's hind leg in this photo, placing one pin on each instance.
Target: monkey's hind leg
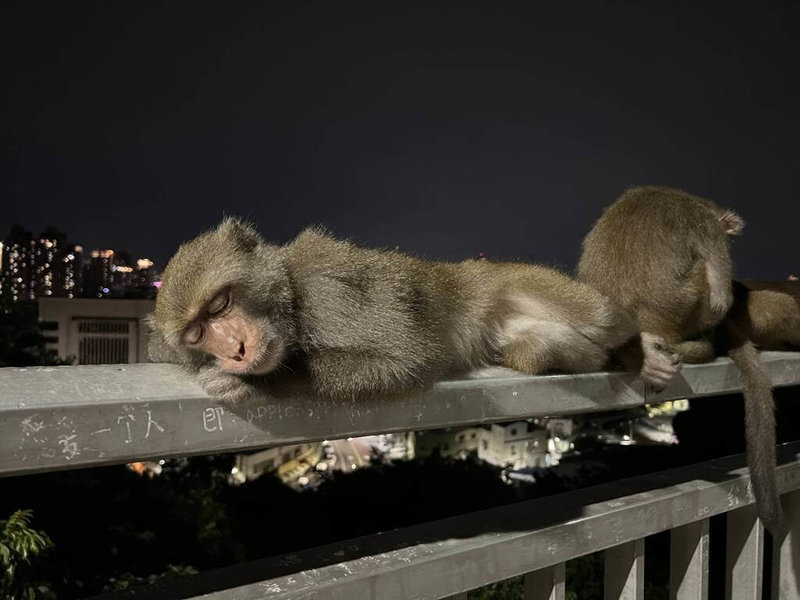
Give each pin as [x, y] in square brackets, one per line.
[527, 356]
[555, 347]
[695, 351]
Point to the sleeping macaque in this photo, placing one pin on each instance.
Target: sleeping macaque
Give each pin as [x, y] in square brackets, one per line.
[664, 255]
[360, 322]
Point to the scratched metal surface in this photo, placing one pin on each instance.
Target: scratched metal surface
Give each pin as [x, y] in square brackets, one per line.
[64, 417]
[447, 557]
[722, 376]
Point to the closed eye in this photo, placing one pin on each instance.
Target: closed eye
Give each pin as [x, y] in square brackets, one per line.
[193, 334]
[219, 303]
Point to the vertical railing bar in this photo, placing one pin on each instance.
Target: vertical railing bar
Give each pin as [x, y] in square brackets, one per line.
[688, 565]
[624, 571]
[744, 555]
[545, 584]
[786, 552]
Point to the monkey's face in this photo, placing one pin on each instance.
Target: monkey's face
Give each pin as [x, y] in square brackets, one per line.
[241, 342]
[227, 294]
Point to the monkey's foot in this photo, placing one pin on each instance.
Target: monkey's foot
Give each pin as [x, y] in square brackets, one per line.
[660, 364]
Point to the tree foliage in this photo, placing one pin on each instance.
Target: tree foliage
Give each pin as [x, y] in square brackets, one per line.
[21, 548]
[21, 341]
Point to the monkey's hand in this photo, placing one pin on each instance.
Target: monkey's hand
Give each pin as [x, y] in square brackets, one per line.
[224, 386]
[659, 364]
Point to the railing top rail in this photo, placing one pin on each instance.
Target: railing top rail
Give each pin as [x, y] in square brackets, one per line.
[442, 558]
[62, 417]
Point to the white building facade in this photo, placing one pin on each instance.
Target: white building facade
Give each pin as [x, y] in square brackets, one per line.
[96, 331]
[516, 445]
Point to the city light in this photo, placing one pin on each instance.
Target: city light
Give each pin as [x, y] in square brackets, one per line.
[46, 267]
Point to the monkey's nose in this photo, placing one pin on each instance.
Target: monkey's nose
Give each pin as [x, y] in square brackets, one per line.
[239, 356]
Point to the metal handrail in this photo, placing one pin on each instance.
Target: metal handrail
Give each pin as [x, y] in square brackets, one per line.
[535, 538]
[55, 418]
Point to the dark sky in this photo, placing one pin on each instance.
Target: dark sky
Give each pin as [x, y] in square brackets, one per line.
[446, 128]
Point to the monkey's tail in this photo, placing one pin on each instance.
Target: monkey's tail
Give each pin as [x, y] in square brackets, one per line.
[759, 423]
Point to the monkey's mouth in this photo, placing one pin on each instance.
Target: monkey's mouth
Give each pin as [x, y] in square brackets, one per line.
[258, 359]
[267, 358]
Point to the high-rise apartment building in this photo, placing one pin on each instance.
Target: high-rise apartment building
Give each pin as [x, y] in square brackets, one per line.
[47, 267]
[98, 274]
[17, 265]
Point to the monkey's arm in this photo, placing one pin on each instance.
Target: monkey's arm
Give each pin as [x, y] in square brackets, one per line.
[225, 387]
[346, 375]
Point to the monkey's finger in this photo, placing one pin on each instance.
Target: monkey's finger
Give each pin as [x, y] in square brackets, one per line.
[659, 376]
[663, 370]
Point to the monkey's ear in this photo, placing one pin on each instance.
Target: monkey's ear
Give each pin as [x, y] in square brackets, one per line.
[732, 222]
[240, 233]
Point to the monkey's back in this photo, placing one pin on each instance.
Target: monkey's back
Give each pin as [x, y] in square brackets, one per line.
[649, 249]
[424, 319]
[380, 302]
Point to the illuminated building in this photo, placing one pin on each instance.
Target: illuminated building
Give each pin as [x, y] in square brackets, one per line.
[146, 272]
[124, 277]
[17, 275]
[98, 274]
[133, 281]
[47, 267]
[288, 462]
[71, 272]
[42, 267]
[517, 445]
[58, 268]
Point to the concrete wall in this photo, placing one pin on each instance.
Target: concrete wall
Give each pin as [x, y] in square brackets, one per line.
[67, 313]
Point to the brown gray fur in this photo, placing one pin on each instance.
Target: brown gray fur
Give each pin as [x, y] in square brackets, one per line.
[768, 313]
[664, 255]
[360, 322]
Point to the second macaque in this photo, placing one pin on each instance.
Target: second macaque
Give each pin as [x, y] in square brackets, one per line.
[664, 255]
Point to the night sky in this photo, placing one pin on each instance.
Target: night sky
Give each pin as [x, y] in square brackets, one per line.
[444, 128]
